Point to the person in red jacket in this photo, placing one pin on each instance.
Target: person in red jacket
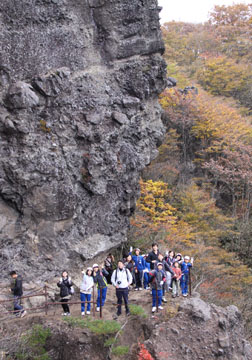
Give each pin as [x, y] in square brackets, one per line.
[176, 279]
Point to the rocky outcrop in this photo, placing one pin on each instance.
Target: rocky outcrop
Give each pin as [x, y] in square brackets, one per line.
[201, 331]
[79, 120]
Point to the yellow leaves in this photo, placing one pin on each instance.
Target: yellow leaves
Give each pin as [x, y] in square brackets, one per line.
[219, 123]
[154, 202]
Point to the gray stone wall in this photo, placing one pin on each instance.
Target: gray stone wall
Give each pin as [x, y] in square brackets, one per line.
[79, 120]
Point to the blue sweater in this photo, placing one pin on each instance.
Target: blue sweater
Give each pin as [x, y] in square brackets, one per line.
[139, 262]
[185, 267]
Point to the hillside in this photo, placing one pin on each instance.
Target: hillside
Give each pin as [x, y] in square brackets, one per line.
[214, 333]
[196, 196]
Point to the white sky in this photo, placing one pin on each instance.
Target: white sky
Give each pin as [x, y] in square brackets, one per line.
[193, 11]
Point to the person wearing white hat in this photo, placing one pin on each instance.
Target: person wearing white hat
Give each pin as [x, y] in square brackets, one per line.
[157, 279]
[185, 268]
[86, 289]
[102, 285]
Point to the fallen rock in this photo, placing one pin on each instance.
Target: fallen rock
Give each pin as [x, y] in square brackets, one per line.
[197, 309]
[21, 96]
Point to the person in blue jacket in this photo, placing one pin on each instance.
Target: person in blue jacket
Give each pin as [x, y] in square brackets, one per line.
[139, 268]
[146, 274]
[185, 268]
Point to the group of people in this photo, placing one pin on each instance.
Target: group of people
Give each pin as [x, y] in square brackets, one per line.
[154, 271]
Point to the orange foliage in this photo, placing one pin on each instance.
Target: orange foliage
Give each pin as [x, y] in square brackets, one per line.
[144, 353]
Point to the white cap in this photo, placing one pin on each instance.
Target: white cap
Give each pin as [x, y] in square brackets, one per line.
[159, 264]
[95, 265]
[187, 257]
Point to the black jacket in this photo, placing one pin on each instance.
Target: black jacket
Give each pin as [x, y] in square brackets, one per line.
[129, 266]
[18, 286]
[64, 286]
[100, 279]
[152, 256]
[166, 267]
[156, 276]
[170, 261]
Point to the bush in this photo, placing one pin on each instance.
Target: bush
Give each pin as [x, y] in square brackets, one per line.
[32, 344]
[109, 342]
[76, 322]
[99, 327]
[102, 327]
[120, 350]
[137, 310]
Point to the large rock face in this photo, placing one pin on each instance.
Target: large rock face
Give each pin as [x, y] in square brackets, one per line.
[79, 120]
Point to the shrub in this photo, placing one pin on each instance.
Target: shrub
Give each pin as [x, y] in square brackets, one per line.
[120, 350]
[99, 327]
[32, 344]
[137, 310]
[109, 342]
[102, 327]
[76, 322]
[144, 353]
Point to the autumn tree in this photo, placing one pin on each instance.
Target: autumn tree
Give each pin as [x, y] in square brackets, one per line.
[222, 76]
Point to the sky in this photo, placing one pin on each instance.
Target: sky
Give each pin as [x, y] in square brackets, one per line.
[194, 11]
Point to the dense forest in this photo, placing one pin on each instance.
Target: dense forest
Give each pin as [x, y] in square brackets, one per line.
[196, 197]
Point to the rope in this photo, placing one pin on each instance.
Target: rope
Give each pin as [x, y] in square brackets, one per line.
[49, 287]
[25, 294]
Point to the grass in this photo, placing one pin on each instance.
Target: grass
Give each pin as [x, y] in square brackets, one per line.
[137, 310]
[98, 327]
[32, 344]
[120, 350]
[109, 342]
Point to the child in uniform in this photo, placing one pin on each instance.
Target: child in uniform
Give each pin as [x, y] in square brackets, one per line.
[185, 268]
[157, 279]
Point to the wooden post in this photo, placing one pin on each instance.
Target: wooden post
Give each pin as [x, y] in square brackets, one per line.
[156, 298]
[46, 300]
[190, 282]
[93, 302]
[100, 302]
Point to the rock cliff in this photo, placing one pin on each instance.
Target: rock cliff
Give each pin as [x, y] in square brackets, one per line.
[201, 331]
[79, 120]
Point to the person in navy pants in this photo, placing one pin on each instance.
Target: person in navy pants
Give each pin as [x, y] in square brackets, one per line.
[184, 281]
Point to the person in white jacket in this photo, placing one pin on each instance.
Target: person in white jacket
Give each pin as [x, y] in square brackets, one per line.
[121, 279]
[86, 289]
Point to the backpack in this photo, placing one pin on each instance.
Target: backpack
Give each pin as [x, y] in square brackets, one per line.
[103, 278]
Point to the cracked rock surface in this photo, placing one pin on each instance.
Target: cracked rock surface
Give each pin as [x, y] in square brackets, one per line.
[79, 120]
[201, 331]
